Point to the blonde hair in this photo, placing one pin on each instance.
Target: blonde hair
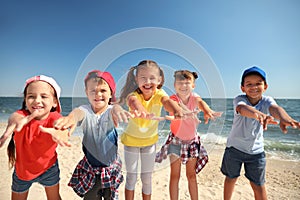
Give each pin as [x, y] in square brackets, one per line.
[131, 85]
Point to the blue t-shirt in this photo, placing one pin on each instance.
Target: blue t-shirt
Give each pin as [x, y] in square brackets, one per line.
[99, 137]
[247, 134]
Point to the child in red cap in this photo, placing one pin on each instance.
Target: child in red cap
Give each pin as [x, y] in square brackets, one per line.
[98, 174]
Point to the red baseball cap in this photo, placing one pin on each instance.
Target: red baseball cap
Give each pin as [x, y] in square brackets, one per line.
[105, 76]
[51, 82]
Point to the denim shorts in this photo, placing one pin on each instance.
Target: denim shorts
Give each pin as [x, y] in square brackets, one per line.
[175, 150]
[254, 165]
[47, 179]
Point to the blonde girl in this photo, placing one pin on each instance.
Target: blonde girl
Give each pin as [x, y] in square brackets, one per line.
[145, 98]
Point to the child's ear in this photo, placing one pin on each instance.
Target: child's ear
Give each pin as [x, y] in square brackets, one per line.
[193, 86]
[55, 104]
[242, 88]
[159, 80]
[266, 86]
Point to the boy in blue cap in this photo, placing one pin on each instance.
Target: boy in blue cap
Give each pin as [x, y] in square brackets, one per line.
[252, 113]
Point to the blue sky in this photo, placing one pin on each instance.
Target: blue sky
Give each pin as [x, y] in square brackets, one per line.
[57, 38]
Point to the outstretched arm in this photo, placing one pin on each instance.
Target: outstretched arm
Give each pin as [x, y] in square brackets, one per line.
[60, 133]
[172, 107]
[15, 123]
[70, 121]
[251, 112]
[284, 118]
[59, 136]
[119, 114]
[138, 109]
[207, 111]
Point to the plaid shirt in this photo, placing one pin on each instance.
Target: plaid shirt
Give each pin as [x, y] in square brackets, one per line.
[192, 148]
[84, 177]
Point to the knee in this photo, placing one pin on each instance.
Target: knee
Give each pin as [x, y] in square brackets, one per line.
[131, 179]
[191, 176]
[175, 176]
[146, 178]
[147, 182]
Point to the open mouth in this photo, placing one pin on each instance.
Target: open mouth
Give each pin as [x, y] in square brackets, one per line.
[37, 107]
[98, 100]
[147, 87]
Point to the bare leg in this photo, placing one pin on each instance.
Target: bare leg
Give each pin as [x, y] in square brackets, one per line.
[229, 184]
[146, 196]
[52, 192]
[260, 192]
[19, 196]
[174, 177]
[129, 194]
[192, 179]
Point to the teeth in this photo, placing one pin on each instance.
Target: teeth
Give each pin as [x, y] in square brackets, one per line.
[37, 107]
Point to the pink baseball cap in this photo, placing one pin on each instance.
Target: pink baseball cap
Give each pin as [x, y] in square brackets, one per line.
[51, 82]
[105, 76]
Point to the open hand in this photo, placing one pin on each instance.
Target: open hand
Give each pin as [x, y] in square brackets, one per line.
[265, 120]
[59, 136]
[285, 123]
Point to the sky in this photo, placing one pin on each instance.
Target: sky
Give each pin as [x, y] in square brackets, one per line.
[217, 39]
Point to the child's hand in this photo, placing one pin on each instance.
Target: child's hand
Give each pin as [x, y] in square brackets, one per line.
[120, 115]
[291, 122]
[65, 123]
[265, 120]
[167, 117]
[59, 136]
[15, 123]
[211, 115]
[9, 130]
[141, 114]
[3, 139]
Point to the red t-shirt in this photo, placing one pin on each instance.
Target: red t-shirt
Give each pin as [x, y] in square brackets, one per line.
[35, 150]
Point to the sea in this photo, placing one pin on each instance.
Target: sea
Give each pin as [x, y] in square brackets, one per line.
[213, 135]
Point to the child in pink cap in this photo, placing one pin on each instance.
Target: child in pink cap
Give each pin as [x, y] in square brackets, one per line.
[32, 151]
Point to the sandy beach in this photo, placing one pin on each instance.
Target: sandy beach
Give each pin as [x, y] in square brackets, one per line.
[283, 177]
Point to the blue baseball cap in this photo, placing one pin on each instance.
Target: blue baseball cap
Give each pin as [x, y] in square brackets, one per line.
[254, 70]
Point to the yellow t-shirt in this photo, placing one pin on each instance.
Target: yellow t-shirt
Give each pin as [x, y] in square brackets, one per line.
[143, 132]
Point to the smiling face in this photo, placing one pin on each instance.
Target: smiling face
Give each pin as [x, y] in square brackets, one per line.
[184, 88]
[148, 78]
[254, 86]
[184, 83]
[40, 97]
[98, 94]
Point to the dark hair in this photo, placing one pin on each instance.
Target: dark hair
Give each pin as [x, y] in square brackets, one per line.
[11, 150]
[185, 74]
[131, 85]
